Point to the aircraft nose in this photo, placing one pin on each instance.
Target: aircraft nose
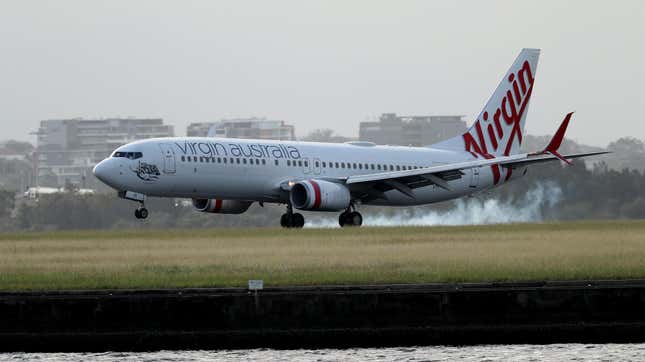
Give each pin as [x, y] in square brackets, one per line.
[102, 171]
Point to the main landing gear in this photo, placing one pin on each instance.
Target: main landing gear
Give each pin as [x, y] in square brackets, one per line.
[350, 217]
[291, 219]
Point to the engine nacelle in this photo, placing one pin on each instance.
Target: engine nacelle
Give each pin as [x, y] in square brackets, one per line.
[319, 195]
[221, 206]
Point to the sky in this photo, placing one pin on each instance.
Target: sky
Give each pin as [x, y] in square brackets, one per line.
[319, 64]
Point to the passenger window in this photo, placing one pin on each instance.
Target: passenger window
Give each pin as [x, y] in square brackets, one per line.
[354, 166]
[360, 165]
[238, 161]
[337, 165]
[398, 168]
[276, 162]
[219, 160]
[183, 158]
[372, 166]
[244, 161]
[324, 164]
[264, 162]
[391, 168]
[194, 158]
[317, 164]
[306, 164]
[288, 163]
[378, 167]
[300, 163]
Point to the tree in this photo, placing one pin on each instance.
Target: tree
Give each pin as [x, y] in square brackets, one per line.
[17, 147]
[6, 203]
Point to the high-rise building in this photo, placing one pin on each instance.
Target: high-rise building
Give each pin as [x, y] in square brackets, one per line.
[67, 149]
[411, 130]
[259, 128]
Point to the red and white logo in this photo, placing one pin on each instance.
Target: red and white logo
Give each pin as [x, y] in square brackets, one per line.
[498, 129]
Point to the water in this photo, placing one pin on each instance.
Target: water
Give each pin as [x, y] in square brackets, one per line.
[553, 352]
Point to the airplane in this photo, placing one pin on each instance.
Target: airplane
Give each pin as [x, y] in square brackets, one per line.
[226, 176]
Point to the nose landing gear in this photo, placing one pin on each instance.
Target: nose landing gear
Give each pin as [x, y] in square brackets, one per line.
[291, 219]
[141, 212]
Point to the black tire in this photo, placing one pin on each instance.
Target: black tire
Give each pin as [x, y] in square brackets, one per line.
[355, 218]
[298, 220]
[143, 213]
[137, 214]
[342, 219]
[284, 221]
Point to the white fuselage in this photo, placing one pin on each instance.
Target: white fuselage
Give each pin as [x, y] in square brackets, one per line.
[254, 170]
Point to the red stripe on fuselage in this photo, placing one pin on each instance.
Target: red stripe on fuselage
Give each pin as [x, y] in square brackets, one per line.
[316, 193]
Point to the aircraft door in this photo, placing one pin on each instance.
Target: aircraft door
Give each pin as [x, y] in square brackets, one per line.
[316, 167]
[474, 180]
[169, 163]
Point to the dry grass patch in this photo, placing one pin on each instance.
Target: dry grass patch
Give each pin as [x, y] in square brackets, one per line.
[199, 258]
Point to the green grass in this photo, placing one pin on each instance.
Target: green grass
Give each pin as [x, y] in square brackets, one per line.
[209, 258]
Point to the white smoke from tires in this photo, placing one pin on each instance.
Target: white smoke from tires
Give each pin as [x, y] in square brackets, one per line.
[479, 210]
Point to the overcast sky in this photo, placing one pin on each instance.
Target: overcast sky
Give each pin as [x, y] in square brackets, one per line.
[319, 64]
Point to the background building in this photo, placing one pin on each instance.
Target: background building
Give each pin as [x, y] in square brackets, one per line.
[67, 149]
[411, 130]
[260, 128]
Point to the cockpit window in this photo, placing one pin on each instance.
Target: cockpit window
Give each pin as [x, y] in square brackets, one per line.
[129, 155]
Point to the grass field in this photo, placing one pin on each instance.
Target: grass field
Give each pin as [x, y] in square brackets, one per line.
[208, 258]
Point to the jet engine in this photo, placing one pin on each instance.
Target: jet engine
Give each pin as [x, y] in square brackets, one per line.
[221, 206]
[319, 195]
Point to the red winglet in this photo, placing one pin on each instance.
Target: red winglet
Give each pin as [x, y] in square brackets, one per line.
[556, 141]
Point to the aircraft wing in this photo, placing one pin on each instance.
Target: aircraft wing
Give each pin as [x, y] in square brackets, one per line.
[539, 158]
[406, 181]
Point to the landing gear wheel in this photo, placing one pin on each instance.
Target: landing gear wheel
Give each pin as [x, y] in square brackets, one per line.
[141, 213]
[288, 220]
[298, 220]
[353, 218]
[284, 221]
[342, 219]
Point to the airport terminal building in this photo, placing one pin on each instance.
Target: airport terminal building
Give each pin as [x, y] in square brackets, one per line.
[416, 131]
[249, 128]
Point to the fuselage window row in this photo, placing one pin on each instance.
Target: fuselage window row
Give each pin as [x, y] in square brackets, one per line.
[294, 163]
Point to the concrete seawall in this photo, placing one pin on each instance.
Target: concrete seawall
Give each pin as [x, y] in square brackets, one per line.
[341, 316]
